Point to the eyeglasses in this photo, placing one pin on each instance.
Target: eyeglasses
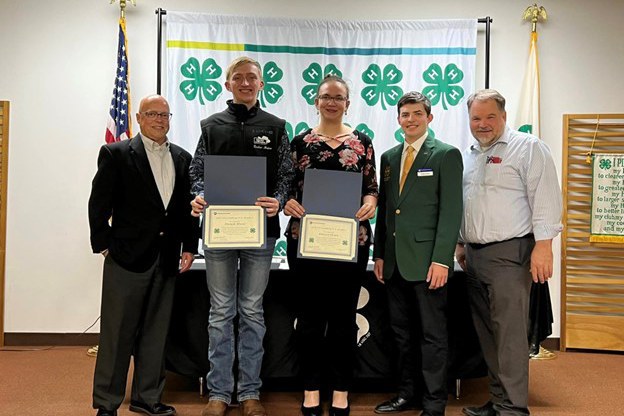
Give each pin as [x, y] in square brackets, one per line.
[339, 99]
[152, 115]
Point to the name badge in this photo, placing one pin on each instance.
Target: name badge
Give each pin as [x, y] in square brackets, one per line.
[425, 172]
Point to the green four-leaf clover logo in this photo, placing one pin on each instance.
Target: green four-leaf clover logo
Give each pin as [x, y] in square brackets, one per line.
[605, 164]
[201, 83]
[399, 135]
[381, 86]
[363, 128]
[272, 92]
[300, 128]
[280, 248]
[313, 75]
[443, 88]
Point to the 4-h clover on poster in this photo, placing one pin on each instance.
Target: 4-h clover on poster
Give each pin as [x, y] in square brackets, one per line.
[380, 61]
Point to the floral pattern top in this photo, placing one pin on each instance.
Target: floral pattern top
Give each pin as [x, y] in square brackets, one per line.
[355, 154]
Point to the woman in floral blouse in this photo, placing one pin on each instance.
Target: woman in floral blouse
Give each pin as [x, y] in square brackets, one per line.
[328, 290]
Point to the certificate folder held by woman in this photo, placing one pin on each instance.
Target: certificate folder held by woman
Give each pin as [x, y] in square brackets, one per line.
[327, 291]
[329, 229]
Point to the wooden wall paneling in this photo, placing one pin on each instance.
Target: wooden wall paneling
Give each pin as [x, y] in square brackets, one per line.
[592, 274]
[4, 164]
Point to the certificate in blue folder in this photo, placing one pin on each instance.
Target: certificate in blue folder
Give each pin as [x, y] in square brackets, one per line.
[232, 185]
[329, 230]
[234, 180]
[332, 192]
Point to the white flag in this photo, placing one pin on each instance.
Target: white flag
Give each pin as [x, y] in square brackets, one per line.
[528, 119]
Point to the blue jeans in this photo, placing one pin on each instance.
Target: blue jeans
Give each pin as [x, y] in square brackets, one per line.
[229, 296]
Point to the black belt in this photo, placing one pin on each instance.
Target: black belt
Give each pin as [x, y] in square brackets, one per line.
[482, 245]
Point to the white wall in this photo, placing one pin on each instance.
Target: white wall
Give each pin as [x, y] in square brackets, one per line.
[57, 62]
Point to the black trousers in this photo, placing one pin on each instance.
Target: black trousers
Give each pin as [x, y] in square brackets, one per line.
[418, 317]
[327, 293]
[136, 310]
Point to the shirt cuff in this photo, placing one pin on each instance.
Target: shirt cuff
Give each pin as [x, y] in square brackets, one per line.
[547, 232]
[440, 264]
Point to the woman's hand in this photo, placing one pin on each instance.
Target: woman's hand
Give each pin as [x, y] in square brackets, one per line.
[294, 209]
[367, 210]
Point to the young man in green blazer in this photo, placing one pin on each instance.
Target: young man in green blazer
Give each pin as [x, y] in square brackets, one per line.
[420, 211]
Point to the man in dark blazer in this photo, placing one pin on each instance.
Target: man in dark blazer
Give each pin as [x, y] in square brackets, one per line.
[420, 208]
[140, 221]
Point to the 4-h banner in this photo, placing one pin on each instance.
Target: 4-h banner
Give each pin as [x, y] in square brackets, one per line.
[379, 60]
[607, 208]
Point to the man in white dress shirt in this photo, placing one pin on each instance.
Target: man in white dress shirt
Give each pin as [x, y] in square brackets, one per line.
[512, 212]
[140, 221]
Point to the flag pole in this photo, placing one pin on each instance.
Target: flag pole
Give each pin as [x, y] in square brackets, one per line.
[122, 7]
[540, 295]
[93, 351]
[535, 13]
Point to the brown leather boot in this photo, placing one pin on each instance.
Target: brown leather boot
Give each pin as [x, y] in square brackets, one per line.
[215, 408]
[252, 407]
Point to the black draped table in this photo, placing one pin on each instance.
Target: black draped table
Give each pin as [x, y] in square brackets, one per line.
[376, 357]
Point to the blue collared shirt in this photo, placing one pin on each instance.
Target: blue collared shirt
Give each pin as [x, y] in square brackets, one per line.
[510, 189]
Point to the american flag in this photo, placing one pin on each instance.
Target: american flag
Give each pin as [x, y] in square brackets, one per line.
[119, 125]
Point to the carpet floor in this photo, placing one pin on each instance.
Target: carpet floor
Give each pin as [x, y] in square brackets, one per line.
[58, 381]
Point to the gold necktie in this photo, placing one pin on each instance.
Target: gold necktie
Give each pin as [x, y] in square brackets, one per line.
[407, 165]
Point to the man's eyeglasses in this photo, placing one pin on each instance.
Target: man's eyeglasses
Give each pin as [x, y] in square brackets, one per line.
[152, 115]
[339, 99]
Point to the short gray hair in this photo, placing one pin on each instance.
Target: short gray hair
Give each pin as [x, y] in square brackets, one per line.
[487, 94]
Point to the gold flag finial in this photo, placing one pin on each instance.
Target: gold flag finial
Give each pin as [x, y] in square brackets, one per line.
[122, 6]
[534, 13]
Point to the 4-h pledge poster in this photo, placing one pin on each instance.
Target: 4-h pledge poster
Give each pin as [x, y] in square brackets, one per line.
[607, 208]
[380, 60]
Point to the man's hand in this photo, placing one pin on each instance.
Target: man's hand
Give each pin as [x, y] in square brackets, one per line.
[542, 261]
[378, 270]
[197, 206]
[460, 255]
[185, 261]
[294, 209]
[437, 276]
[271, 205]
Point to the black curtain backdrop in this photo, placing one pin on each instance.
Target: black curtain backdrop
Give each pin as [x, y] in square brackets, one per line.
[375, 364]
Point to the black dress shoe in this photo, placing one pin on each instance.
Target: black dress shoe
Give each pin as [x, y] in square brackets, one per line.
[337, 411]
[485, 410]
[398, 404]
[104, 412]
[158, 409]
[312, 411]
